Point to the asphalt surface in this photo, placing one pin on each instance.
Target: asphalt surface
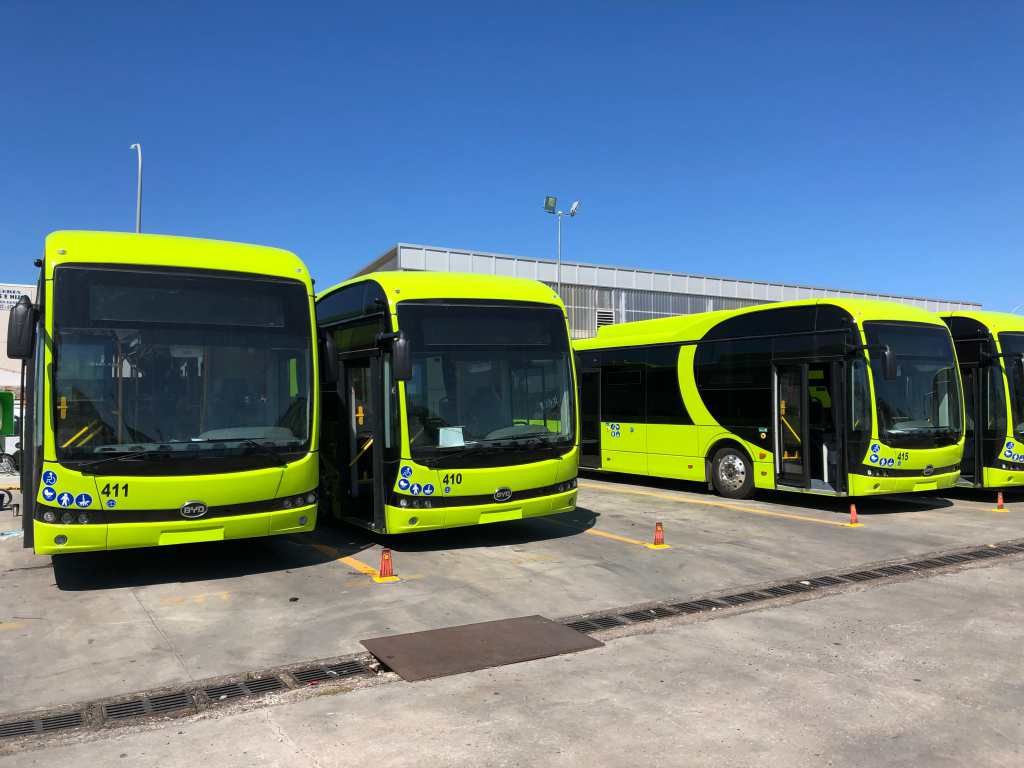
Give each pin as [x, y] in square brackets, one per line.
[924, 672]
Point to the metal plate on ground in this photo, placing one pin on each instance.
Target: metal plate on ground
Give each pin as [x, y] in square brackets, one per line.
[454, 650]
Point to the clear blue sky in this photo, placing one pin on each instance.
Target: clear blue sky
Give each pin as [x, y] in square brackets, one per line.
[870, 145]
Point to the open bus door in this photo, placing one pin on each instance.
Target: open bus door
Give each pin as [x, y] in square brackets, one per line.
[360, 440]
[808, 427]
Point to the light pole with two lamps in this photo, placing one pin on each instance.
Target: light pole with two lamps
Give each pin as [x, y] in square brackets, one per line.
[551, 206]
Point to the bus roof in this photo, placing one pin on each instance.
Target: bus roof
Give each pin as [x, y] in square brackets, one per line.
[83, 247]
[996, 322]
[693, 327]
[406, 286]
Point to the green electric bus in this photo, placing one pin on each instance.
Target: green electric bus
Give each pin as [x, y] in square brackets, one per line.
[453, 402]
[170, 393]
[990, 347]
[841, 397]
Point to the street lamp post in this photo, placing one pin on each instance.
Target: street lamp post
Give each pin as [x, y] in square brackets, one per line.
[551, 206]
[138, 190]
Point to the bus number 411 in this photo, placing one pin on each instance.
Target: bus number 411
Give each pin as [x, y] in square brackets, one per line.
[115, 490]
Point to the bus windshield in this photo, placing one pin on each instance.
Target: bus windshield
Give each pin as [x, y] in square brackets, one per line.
[490, 380]
[920, 408]
[1013, 348]
[181, 365]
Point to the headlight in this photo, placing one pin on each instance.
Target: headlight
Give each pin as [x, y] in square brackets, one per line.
[83, 518]
[287, 503]
[311, 498]
[67, 517]
[49, 516]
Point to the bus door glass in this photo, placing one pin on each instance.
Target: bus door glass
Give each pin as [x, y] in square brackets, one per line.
[791, 465]
[590, 418]
[971, 375]
[361, 422]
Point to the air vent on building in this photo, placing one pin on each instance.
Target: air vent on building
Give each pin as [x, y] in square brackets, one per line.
[605, 317]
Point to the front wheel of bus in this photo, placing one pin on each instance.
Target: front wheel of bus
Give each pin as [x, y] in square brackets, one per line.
[732, 474]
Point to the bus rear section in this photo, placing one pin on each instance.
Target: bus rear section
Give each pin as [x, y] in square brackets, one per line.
[847, 398]
[171, 394]
[990, 349]
[454, 403]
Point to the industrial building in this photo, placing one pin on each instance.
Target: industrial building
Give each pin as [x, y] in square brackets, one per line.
[10, 370]
[597, 295]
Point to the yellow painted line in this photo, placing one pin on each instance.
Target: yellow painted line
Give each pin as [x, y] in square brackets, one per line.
[10, 625]
[722, 504]
[356, 565]
[613, 536]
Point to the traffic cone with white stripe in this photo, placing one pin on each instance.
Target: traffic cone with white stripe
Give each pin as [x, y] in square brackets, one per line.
[386, 572]
[659, 537]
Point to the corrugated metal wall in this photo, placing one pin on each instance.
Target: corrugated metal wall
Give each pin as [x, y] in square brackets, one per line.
[630, 294]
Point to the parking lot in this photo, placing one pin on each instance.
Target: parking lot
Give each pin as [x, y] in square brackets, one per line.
[94, 626]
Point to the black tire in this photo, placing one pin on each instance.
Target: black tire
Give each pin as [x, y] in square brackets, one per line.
[732, 474]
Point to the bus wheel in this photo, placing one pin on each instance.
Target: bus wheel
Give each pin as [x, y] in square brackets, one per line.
[732, 474]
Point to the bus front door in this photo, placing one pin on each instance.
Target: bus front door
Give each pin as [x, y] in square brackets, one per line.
[590, 418]
[791, 467]
[361, 429]
[808, 444]
[971, 376]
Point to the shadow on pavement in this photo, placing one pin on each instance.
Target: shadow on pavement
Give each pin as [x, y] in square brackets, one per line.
[506, 534]
[866, 505]
[193, 562]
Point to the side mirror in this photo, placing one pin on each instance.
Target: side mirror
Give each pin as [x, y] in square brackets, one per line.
[401, 358]
[888, 362]
[21, 330]
[328, 359]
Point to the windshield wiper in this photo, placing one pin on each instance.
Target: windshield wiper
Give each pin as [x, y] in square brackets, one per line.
[161, 450]
[263, 448]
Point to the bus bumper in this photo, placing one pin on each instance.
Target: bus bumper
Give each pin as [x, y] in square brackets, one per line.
[406, 520]
[862, 485]
[93, 538]
[1002, 478]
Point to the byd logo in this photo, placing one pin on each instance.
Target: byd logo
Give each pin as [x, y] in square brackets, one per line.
[503, 494]
[193, 509]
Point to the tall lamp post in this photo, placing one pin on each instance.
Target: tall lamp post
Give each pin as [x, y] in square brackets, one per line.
[138, 190]
[551, 206]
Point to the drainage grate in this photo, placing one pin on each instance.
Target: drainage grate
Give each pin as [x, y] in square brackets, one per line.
[606, 622]
[978, 554]
[59, 722]
[582, 626]
[312, 675]
[224, 692]
[696, 606]
[743, 597]
[823, 581]
[264, 685]
[244, 688]
[638, 616]
[861, 575]
[924, 565]
[148, 705]
[787, 589]
[124, 709]
[19, 728]
[895, 570]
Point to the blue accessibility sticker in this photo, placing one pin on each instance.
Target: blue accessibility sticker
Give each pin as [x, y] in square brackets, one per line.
[403, 484]
[111, 503]
[83, 500]
[415, 489]
[428, 489]
[875, 447]
[406, 471]
[48, 493]
[65, 499]
[50, 477]
[447, 489]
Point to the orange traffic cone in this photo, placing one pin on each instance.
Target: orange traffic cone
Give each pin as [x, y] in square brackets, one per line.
[999, 502]
[386, 573]
[659, 538]
[853, 517]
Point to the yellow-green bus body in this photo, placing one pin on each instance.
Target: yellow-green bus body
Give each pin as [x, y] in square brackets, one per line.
[110, 461]
[720, 380]
[989, 347]
[511, 453]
